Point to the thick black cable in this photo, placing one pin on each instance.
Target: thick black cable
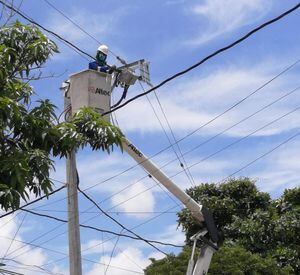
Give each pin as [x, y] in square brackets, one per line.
[32, 202]
[207, 57]
[99, 230]
[117, 222]
[22, 14]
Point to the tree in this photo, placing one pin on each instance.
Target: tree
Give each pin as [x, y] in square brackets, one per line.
[261, 235]
[31, 137]
[229, 260]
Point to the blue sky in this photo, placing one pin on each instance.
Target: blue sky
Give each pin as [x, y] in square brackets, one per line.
[172, 35]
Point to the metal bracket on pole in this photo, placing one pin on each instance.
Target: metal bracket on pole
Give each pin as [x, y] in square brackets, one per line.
[206, 252]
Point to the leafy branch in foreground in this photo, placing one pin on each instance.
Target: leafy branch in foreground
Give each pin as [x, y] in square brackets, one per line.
[30, 137]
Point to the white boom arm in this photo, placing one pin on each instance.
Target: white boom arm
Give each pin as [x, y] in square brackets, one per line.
[198, 212]
[154, 171]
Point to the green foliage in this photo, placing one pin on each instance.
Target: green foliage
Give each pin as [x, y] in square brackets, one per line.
[262, 236]
[236, 197]
[173, 265]
[228, 260]
[29, 137]
[236, 260]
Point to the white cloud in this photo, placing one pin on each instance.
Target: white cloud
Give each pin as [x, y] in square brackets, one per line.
[225, 16]
[280, 170]
[143, 202]
[132, 258]
[129, 259]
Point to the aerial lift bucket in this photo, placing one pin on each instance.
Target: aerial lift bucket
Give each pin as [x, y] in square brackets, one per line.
[92, 89]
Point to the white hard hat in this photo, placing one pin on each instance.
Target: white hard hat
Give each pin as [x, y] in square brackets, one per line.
[103, 49]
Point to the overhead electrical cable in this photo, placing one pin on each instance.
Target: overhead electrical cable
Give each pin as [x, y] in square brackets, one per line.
[262, 156]
[194, 131]
[209, 156]
[22, 14]
[83, 30]
[117, 222]
[244, 119]
[247, 165]
[253, 31]
[187, 172]
[32, 202]
[41, 269]
[112, 238]
[15, 234]
[66, 255]
[99, 230]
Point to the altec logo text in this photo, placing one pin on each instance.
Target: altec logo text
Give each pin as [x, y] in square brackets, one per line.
[134, 149]
[98, 91]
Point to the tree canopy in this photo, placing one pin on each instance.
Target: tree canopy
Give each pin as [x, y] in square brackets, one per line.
[31, 136]
[261, 234]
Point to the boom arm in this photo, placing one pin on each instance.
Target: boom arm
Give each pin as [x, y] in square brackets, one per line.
[200, 213]
[154, 171]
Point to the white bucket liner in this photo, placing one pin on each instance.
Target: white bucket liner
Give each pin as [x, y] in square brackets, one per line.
[90, 88]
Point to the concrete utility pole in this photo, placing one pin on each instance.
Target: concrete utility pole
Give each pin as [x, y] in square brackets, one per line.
[73, 219]
[73, 216]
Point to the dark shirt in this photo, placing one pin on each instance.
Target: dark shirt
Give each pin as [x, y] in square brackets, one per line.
[94, 66]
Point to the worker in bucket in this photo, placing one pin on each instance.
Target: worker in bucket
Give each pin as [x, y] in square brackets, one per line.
[100, 63]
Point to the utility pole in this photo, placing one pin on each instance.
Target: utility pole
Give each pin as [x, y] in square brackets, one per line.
[73, 216]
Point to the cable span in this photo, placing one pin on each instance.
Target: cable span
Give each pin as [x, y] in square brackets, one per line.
[99, 230]
[22, 14]
[32, 202]
[121, 225]
[66, 255]
[207, 58]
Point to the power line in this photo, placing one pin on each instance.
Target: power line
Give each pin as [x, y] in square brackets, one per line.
[218, 151]
[262, 156]
[41, 269]
[190, 178]
[245, 166]
[264, 85]
[121, 225]
[17, 231]
[32, 202]
[83, 30]
[100, 230]
[62, 253]
[175, 140]
[207, 58]
[266, 106]
[141, 224]
[209, 156]
[112, 253]
[194, 131]
[22, 14]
